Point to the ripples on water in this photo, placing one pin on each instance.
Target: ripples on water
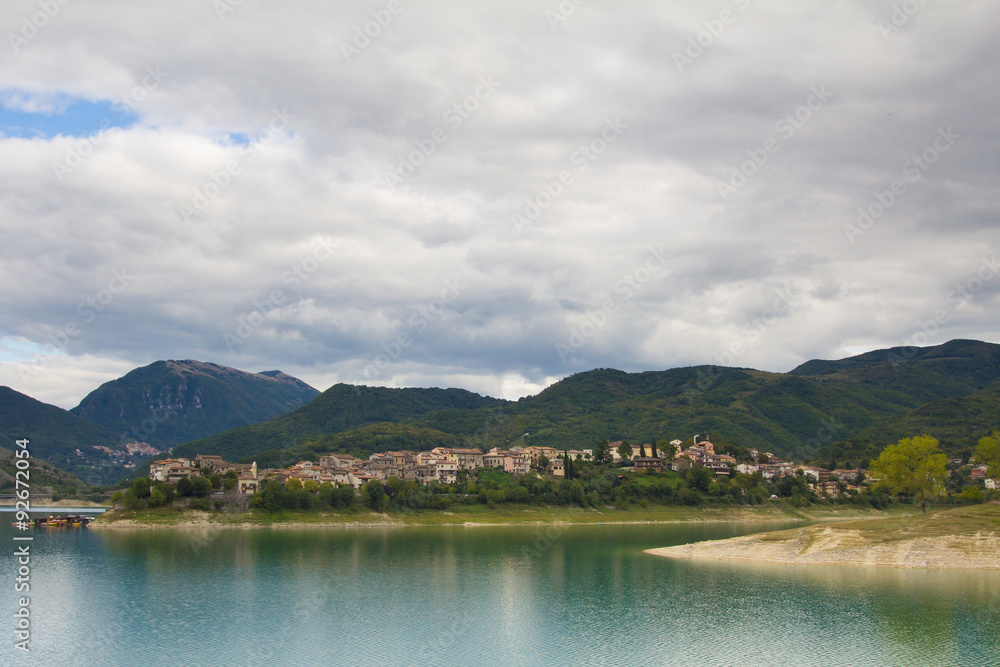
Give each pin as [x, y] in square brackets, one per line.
[464, 596]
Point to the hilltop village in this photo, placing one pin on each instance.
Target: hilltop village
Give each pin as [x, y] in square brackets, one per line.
[444, 466]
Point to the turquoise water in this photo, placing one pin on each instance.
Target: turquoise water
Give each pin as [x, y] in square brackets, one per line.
[477, 595]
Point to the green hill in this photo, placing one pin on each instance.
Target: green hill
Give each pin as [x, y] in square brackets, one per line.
[171, 402]
[340, 408]
[61, 438]
[882, 395]
[43, 476]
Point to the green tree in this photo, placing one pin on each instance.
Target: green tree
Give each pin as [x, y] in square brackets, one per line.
[310, 485]
[167, 489]
[373, 494]
[988, 452]
[393, 485]
[200, 487]
[228, 483]
[699, 477]
[642, 450]
[141, 487]
[625, 450]
[602, 453]
[652, 446]
[543, 463]
[293, 485]
[184, 487]
[157, 498]
[914, 467]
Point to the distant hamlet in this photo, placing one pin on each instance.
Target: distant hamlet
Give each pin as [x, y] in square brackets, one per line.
[615, 474]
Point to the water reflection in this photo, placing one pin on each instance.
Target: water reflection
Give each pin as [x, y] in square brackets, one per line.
[497, 595]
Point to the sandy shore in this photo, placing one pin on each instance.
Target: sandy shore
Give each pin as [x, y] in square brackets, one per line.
[946, 540]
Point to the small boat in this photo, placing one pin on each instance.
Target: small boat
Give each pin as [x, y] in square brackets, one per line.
[66, 521]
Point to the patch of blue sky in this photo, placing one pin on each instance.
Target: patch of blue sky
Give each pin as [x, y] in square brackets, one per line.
[72, 118]
[239, 138]
[17, 349]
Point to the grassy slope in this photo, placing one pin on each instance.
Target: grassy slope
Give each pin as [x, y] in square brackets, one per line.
[55, 435]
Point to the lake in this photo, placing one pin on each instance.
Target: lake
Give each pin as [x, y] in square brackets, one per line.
[515, 595]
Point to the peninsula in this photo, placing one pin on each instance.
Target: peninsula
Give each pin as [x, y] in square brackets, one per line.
[961, 538]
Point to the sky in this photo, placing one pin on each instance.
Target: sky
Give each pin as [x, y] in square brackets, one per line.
[491, 195]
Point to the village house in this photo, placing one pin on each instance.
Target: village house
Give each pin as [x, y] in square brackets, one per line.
[978, 473]
[992, 484]
[647, 463]
[845, 475]
[246, 485]
[535, 452]
[207, 462]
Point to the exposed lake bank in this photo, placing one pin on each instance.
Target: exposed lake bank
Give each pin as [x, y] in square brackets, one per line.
[480, 515]
[961, 538]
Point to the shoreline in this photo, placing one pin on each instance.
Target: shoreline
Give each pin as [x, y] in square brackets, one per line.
[957, 539]
[198, 519]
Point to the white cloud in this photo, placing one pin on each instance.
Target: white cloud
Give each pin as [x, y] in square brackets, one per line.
[321, 176]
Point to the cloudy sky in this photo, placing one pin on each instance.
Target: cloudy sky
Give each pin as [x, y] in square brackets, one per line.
[490, 195]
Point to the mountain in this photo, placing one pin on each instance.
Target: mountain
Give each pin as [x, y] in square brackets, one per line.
[883, 395]
[340, 408]
[171, 402]
[43, 476]
[89, 451]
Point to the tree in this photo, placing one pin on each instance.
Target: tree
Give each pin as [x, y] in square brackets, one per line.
[184, 487]
[157, 498]
[653, 447]
[393, 486]
[141, 487]
[602, 453]
[200, 487]
[698, 477]
[914, 467]
[642, 450]
[310, 485]
[543, 463]
[373, 494]
[625, 450]
[988, 452]
[293, 485]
